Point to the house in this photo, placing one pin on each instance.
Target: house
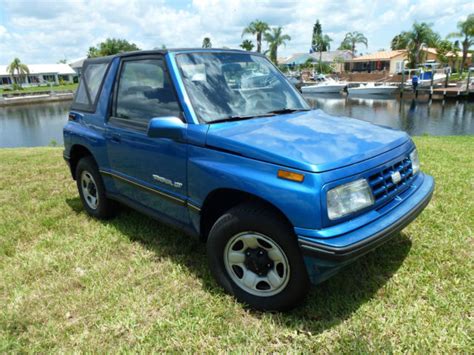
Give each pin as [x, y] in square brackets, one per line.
[334, 58]
[40, 74]
[77, 65]
[394, 61]
[391, 61]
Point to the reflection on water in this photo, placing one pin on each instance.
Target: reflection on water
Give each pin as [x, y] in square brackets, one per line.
[33, 125]
[37, 125]
[414, 117]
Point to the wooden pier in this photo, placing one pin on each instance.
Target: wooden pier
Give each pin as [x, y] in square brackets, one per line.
[440, 91]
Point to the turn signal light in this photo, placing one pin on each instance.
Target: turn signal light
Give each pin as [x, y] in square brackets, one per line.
[289, 175]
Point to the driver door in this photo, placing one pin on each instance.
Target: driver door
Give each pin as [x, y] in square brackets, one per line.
[150, 172]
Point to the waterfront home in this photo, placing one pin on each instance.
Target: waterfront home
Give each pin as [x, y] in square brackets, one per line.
[40, 74]
[77, 64]
[334, 58]
[394, 62]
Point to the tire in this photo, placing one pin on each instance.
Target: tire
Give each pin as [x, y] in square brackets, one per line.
[90, 185]
[246, 268]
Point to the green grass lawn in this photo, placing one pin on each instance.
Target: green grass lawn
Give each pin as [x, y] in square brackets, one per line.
[72, 283]
[26, 90]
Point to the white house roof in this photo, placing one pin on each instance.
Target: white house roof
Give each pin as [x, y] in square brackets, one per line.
[77, 63]
[36, 69]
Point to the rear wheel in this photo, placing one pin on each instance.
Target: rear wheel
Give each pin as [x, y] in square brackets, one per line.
[253, 254]
[92, 191]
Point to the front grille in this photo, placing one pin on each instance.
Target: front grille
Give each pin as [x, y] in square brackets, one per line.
[382, 185]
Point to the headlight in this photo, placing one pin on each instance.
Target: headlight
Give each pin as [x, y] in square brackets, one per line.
[349, 198]
[415, 161]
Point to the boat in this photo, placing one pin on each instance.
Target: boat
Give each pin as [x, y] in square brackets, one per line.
[424, 79]
[293, 79]
[372, 89]
[328, 86]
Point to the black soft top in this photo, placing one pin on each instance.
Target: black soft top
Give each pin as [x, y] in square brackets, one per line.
[94, 70]
[109, 58]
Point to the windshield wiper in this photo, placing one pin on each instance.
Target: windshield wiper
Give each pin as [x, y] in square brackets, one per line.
[241, 117]
[288, 110]
[266, 114]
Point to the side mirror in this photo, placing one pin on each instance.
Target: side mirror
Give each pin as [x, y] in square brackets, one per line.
[166, 127]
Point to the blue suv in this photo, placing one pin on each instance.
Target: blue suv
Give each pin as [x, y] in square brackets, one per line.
[220, 145]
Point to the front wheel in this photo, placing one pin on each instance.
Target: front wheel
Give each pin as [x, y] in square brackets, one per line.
[253, 254]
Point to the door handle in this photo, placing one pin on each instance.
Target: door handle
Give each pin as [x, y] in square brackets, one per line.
[116, 138]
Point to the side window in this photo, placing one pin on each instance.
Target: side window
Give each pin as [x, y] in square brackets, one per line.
[89, 85]
[94, 75]
[144, 91]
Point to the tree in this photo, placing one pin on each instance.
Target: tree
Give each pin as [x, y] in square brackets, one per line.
[111, 46]
[345, 46]
[316, 44]
[466, 30]
[206, 42]
[443, 47]
[276, 38]
[319, 42]
[247, 45]
[62, 61]
[455, 51]
[400, 41]
[21, 69]
[421, 35]
[258, 28]
[352, 39]
[323, 42]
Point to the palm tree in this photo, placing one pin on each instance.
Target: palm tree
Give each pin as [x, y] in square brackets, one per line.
[247, 45]
[276, 38]
[420, 36]
[322, 42]
[19, 67]
[466, 30]
[352, 39]
[206, 43]
[400, 41]
[443, 48]
[258, 28]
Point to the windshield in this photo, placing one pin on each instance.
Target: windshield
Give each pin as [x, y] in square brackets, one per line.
[227, 85]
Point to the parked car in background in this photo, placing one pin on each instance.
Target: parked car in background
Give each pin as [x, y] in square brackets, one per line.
[282, 195]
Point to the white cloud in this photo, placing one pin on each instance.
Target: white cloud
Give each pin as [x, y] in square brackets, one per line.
[3, 31]
[48, 30]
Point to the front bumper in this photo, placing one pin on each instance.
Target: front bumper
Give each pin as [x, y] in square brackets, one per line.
[325, 255]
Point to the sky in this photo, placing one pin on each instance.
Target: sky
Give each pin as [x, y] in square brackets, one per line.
[45, 31]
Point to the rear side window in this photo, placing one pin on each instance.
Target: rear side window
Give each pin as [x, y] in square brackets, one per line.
[89, 86]
[144, 91]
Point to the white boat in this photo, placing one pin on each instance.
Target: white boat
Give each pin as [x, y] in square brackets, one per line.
[372, 89]
[328, 86]
[425, 79]
[293, 79]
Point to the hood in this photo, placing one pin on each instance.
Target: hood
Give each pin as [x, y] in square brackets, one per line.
[311, 140]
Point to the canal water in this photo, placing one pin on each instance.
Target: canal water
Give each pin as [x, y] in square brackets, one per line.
[33, 125]
[41, 124]
[414, 117]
